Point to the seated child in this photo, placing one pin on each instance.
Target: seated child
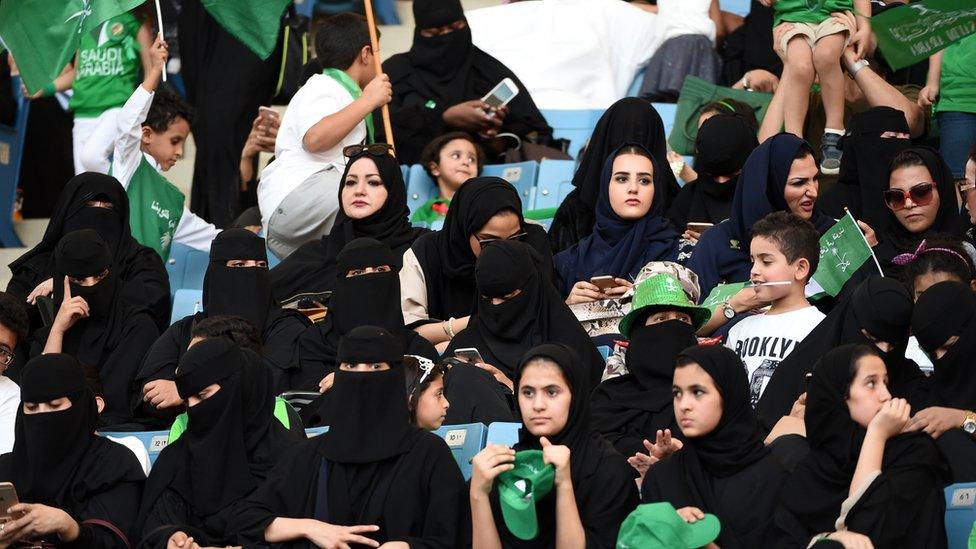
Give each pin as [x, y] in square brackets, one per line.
[449, 160]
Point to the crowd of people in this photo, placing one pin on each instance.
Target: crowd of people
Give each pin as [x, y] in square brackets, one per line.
[773, 416]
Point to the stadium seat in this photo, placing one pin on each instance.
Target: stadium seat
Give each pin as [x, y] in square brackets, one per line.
[420, 187]
[522, 175]
[185, 303]
[11, 151]
[273, 260]
[316, 431]
[405, 171]
[196, 268]
[635, 86]
[437, 224]
[420, 224]
[960, 513]
[554, 183]
[503, 432]
[574, 125]
[605, 351]
[465, 441]
[667, 112]
[738, 7]
[176, 266]
[154, 441]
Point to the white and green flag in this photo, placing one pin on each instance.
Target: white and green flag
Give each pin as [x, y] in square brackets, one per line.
[843, 250]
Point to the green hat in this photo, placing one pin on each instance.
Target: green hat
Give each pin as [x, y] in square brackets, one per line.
[662, 291]
[520, 489]
[659, 526]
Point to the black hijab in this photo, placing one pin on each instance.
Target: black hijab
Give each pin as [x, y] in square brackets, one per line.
[634, 406]
[442, 64]
[865, 166]
[312, 267]
[618, 247]
[723, 144]
[882, 307]
[238, 291]
[629, 120]
[504, 332]
[944, 310]
[57, 459]
[897, 239]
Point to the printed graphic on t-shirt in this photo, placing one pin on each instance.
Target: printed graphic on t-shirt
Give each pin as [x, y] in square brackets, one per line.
[761, 355]
[760, 378]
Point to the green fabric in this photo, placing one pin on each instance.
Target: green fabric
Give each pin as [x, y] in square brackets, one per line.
[182, 420]
[155, 208]
[912, 33]
[808, 11]
[347, 82]
[427, 214]
[254, 22]
[658, 526]
[843, 250]
[43, 35]
[529, 481]
[957, 90]
[662, 291]
[540, 214]
[722, 293]
[695, 94]
[108, 67]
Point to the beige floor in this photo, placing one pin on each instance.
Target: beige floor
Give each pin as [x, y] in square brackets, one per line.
[395, 39]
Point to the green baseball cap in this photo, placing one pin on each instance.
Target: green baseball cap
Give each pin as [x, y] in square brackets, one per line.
[520, 488]
[662, 291]
[659, 526]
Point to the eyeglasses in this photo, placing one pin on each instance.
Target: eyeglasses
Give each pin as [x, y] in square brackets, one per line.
[517, 237]
[921, 196]
[965, 185]
[6, 356]
[376, 149]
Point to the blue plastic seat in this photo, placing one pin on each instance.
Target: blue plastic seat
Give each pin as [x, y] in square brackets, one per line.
[667, 112]
[465, 441]
[185, 303]
[574, 125]
[176, 266]
[635, 86]
[437, 224]
[154, 441]
[405, 171]
[555, 182]
[196, 268]
[420, 187]
[960, 513]
[503, 432]
[522, 175]
[738, 7]
[316, 431]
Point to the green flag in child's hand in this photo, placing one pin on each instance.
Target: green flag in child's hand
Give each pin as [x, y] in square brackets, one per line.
[255, 23]
[913, 32]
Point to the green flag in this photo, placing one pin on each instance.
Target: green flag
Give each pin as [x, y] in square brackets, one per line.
[913, 32]
[155, 208]
[43, 35]
[843, 250]
[722, 293]
[254, 22]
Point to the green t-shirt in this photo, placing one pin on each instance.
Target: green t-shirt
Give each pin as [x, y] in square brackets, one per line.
[433, 210]
[957, 89]
[182, 420]
[108, 67]
[808, 11]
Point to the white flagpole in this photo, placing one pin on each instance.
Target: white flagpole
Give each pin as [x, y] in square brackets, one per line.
[874, 257]
[159, 24]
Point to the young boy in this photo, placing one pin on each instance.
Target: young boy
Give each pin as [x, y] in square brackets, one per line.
[813, 48]
[785, 251]
[298, 192]
[13, 330]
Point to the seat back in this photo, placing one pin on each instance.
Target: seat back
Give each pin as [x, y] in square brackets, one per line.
[176, 266]
[420, 187]
[667, 111]
[574, 125]
[185, 303]
[522, 175]
[316, 431]
[555, 182]
[960, 513]
[196, 269]
[465, 441]
[154, 441]
[738, 7]
[503, 432]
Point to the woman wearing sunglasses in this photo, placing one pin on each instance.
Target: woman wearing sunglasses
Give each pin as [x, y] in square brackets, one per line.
[921, 201]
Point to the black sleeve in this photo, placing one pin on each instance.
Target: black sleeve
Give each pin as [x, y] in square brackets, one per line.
[609, 497]
[119, 506]
[415, 122]
[118, 371]
[166, 515]
[22, 282]
[159, 363]
[281, 348]
[678, 212]
[147, 286]
[445, 490]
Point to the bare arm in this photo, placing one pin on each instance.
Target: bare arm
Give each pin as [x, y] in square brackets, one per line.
[329, 132]
[484, 534]
[879, 93]
[436, 333]
[569, 526]
[715, 14]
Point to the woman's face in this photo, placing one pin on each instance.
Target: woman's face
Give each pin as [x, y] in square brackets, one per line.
[363, 192]
[458, 162]
[925, 281]
[802, 187]
[242, 263]
[55, 405]
[544, 398]
[501, 226]
[432, 406]
[88, 281]
[664, 316]
[697, 401]
[364, 367]
[504, 298]
[631, 186]
[914, 217]
[868, 391]
[207, 392]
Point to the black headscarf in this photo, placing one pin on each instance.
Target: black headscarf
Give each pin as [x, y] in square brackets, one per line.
[883, 307]
[443, 62]
[634, 406]
[312, 267]
[724, 143]
[57, 459]
[629, 120]
[238, 291]
[446, 257]
[618, 247]
[504, 332]
[944, 310]
[864, 167]
[370, 418]
[722, 254]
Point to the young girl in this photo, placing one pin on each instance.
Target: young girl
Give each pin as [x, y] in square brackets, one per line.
[425, 393]
[449, 160]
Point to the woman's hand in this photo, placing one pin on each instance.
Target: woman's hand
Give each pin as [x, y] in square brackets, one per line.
[45, 288]
[39, 520]
[691, 515]
[622, 286]
[179, 540]
[332, 536]
[928, 96]
[936, 420]
[891, 419]
[869, 235]
[71, 311]
[499, 376]
[642, 462]
[799, 410]
[161, 393]
[556, 455]
[584, 292]
[664, 444]
[494, 460]
[852, 540]
[326, 382]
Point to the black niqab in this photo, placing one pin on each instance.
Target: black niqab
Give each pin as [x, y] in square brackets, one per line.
[238, 291]
[944, 310]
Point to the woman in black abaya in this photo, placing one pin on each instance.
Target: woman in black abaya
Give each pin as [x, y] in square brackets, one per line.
[372, 476]
[76, 488]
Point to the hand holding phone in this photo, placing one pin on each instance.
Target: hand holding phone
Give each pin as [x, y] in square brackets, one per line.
[470, 355]
[605, 283]
[8, 498]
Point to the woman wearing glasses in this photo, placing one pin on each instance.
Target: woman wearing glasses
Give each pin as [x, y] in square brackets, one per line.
[373, 204]
[921, 200]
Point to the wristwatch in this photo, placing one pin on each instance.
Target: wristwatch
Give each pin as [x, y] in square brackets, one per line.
[727, 310]
[969, 425]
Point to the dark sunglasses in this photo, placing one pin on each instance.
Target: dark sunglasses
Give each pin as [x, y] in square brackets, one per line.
[376, 149]
[517, 237]
[921, 195]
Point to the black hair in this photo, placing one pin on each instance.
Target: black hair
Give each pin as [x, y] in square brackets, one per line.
[13, 315]
[432, 151]
[339, 39]
[796, 238]
[93, 380]
[939, 261]
[857, 353]
[805, 151]
[234, 328]
[416, 387]
[733, 106]
[906, 159]
[167, 107]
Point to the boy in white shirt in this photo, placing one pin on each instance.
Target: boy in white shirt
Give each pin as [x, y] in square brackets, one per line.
[13, 330]
[298, 192]
[785, 251]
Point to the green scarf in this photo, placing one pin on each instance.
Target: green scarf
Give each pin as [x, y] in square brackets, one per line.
[346, 82]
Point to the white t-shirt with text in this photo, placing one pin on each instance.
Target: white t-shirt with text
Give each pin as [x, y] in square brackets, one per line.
[9, 401]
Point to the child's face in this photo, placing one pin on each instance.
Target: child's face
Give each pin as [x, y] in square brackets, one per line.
[868, 391]
[697, 401]
[770, 265]
[802, 187]
[166, 146]
[432, 406]
[458, 162]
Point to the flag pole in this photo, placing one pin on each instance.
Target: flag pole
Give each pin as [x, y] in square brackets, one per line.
[159, 25]
[375, 45]
[874, 257]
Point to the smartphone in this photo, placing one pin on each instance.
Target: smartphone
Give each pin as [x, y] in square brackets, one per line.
[806, 380]
[603, 282]
[699, 228]
[267, 112]
[500, 95]
[8, 498]
[469, 355]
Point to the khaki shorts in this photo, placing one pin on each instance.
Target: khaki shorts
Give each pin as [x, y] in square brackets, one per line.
[814, 32]
[307, 213]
